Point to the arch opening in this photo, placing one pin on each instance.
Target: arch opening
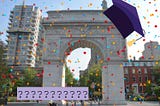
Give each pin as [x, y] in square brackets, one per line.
[89, 72]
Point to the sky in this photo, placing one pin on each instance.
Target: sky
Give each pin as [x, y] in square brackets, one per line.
[148, 10]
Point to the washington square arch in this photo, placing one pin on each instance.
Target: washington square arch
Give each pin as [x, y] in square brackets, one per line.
[71, 29]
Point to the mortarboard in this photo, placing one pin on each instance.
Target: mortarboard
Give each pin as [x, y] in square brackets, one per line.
[125, 17]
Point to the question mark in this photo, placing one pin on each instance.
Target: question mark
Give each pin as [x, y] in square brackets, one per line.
[46, 92]
[53, 93]
[66, 93]
[27, 93]
[79, 92]
[60, 92]
[85, 93]
[40, 93]
[20, 94]
[33, 93]
[72, 92]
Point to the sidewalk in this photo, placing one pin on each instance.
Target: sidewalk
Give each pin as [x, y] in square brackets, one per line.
[85, 104]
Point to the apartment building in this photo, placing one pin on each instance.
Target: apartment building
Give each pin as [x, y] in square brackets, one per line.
[23, 33]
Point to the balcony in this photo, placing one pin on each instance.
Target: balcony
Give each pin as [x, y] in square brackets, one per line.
[10, 23]
[33, 24]
[29, 59]
[30, 41]
[30, 49]
[29, 64]
[34, 15]
[30, 45]
[18, 30]
[34, 20]
[10, 19]
[30, 54]
[11, 15]
[5, 54]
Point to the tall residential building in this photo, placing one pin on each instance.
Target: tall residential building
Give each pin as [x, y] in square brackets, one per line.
[24, 32]
[151, 51]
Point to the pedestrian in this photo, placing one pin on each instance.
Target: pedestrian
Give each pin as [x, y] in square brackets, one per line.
[50, 103]
[6, 99]
[37, 101]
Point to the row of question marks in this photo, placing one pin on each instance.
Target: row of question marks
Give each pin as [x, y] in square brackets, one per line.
[34, 93]
[47, 93]
[52, 93]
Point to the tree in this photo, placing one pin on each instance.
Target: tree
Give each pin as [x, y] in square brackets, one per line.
[29, 76]
[5, 72]
[69, 79]
[157, 91]
[92, 78]
[156, 74]
[149, 87]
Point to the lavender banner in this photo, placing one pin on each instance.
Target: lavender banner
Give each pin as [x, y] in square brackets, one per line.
[52, 93]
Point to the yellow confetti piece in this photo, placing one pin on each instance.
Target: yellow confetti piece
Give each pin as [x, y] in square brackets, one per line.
[90, 4]
[130, 43]
[151, 14]
[54, 84]
[27, 83]
[112, 36]
[63, 76]
[62, 3]
[69, 61]
[113, 43]
[113, 84]
[121, 65]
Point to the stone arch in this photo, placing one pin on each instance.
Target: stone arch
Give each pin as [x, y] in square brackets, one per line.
[112, 73]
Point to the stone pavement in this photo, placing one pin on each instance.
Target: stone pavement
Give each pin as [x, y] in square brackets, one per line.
[87, 104]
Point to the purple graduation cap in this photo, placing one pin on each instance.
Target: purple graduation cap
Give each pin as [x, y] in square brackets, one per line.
[124, 17]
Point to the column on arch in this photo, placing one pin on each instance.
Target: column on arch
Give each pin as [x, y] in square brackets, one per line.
[54, 74]
[113, 83]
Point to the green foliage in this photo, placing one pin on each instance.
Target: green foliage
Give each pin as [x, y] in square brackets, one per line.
[156, 73]
[5, 82]
[149, 88]
[69, 79]
[93, 76]
[30, 77]
[157, 91]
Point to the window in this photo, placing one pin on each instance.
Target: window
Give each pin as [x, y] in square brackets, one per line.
[12, 43]
[16, 13]
[139, 71]
[134, 79]
[15, 25]
[126, 79]
[146, 78]
[125, 71]
[140, 79]
[28, 13]
[140, 89]
[133, 71]
[145, 71]
[25, 38]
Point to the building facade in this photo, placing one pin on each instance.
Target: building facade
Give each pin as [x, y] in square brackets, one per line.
[151, 51]
[136, 75]
[23, 35]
